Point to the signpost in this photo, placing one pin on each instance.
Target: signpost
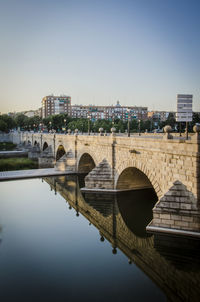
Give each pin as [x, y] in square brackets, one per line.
[184, 110]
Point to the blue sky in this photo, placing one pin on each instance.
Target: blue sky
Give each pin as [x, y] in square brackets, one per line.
[140, 52]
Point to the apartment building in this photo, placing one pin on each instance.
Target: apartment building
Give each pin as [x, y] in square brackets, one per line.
[52, 105]
[109, 112]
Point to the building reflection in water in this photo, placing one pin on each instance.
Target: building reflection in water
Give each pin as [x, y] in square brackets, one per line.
[173, 263]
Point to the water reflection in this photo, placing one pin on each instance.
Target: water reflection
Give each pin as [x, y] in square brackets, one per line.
[0, 233]
[173, 263]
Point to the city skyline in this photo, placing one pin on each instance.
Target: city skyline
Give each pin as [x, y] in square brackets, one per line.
[141, 53]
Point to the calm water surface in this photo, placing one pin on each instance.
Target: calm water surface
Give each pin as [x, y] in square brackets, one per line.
[57, 245]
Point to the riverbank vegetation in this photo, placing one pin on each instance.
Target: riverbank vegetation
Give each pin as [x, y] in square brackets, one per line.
[17, 163]
[7, 146]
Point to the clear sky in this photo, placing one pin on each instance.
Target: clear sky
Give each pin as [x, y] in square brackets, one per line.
[140, 52]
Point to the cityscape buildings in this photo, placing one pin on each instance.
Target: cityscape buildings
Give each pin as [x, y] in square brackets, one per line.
[52, 105]
[109, 112]
[55, 105]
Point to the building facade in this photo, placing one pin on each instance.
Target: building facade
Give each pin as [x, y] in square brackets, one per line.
[52, 105]
[159, 116]
[109, 112]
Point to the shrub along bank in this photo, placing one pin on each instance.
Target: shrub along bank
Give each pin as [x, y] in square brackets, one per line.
[22, 163]
[7, 146]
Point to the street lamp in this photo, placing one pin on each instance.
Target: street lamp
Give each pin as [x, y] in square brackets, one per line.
[128, 110]
[139, 126]
[50, 125]
[65, 125]
[88, 124]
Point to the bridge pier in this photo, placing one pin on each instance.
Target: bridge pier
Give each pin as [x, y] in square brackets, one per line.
[67, 163]
[46, 158]
[176, 212]
[34, 152]
[100, 177]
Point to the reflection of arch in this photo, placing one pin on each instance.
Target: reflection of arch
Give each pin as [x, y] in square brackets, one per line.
[142, 168]
[86, 163]
[136, 209]
[60, 152]
[45, 146]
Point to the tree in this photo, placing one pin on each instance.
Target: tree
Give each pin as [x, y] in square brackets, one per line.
[21, 121]
[7, 122]
[171, 120]
[3, 126]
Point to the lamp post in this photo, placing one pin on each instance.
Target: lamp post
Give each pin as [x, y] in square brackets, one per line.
[50, 125]
[139, 126]
[88, 124]
[128, 110]
[65, 125]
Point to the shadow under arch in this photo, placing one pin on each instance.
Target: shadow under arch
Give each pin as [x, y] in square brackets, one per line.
[35, 143]
[135, 208]
[140, 199]
[86, 163]
[132, 178]
[60, 152]
[45, 145]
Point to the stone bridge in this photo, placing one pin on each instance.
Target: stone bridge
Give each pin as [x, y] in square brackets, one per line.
[167, 164]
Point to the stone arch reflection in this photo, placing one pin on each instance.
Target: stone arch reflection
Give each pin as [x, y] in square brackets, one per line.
[135, 208]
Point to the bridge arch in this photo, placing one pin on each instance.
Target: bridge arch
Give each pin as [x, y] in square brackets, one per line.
[128, 171]
[60, 152]
[45, 145]
[86, 163]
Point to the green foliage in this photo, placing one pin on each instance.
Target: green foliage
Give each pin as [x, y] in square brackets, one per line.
[33, 122]
[7, 146]
[18, 163]
[6, 123]
[57, 122]
[196, 118]
[21, 120]
[3, 126]
[105, 124]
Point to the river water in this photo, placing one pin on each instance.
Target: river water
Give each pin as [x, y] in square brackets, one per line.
[57, 244]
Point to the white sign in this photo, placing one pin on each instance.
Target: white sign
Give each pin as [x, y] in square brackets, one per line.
[184, 108]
